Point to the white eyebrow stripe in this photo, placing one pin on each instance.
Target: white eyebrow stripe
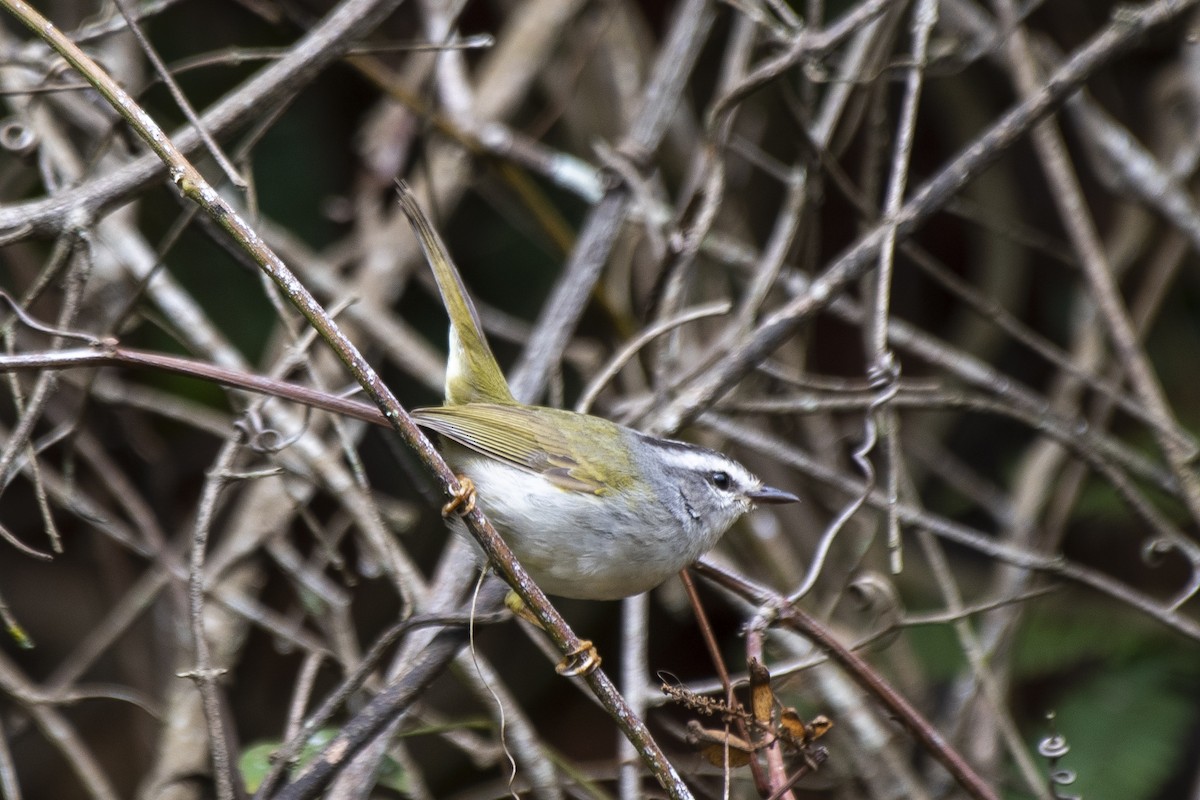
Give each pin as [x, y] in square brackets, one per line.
[698, 459]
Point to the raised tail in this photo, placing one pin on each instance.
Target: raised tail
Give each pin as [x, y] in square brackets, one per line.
[472, 374]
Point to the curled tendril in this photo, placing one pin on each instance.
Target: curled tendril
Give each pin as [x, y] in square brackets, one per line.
[1154, 550]
[268, 440]
[264, 440]
[874, 592]
[1053, 747]
[879, 379]
[876, 596]
[884, 374]
[17, 137]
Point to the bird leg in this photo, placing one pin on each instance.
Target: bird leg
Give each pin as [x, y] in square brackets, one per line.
[463, 501]
[583, 660]
[580, 661]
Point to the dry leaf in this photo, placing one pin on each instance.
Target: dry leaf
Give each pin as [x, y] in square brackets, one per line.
[714, 744]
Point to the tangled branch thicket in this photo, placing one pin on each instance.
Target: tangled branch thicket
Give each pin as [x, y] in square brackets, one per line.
[931, 265]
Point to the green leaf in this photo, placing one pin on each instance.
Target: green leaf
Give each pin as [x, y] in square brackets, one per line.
[256, 762]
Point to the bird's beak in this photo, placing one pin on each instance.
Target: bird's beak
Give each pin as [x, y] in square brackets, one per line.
[769, 495]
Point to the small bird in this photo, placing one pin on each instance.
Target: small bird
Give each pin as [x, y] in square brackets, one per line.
[593, 510]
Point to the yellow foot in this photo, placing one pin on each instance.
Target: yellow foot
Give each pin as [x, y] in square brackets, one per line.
[580, 661]
[463, 501]
[514, 603]
[583, 660]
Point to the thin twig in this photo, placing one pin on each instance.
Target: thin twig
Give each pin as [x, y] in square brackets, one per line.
[181, 100]
[193, 185]
[861, 672]
[927, 199]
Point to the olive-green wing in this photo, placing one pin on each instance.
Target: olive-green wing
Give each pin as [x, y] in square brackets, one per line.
[542, 440]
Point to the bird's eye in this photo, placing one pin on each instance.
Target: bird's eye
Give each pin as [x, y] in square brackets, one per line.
[721, 480]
